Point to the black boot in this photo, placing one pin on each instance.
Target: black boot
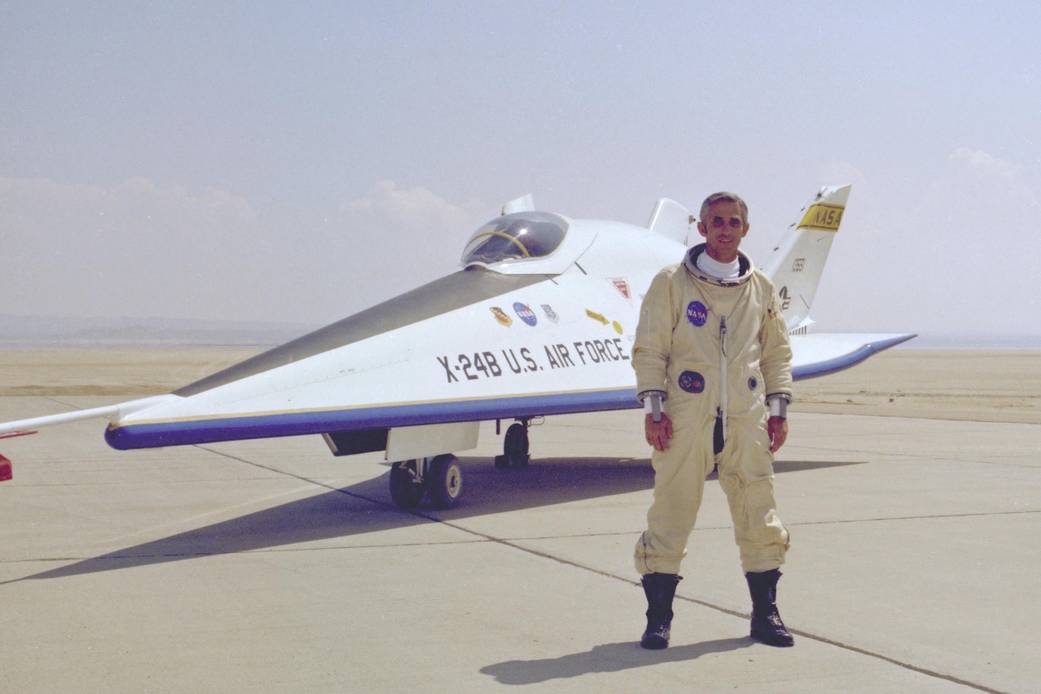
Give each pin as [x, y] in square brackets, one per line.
[660, 589]
[767, 626]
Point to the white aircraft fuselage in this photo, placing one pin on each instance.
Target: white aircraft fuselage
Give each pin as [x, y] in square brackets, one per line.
[540, 320]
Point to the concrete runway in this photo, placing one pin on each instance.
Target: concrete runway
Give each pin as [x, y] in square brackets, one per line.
[271, 566]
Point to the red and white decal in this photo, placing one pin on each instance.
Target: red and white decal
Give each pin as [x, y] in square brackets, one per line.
[622, 286]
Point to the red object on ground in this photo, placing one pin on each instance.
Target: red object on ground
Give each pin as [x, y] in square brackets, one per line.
[6, 471]
[12, 434]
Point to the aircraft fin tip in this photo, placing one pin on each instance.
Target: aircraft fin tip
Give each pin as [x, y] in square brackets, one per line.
[525, 203]
[671, 219]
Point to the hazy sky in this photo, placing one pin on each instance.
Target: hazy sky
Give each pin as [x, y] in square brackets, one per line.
[299, 161]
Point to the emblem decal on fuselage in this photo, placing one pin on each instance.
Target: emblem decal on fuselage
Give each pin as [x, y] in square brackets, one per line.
[525, 313]
[622, 286]
[550, 313]
[501, 316]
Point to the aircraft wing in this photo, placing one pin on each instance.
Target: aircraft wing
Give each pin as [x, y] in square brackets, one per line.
[171, 420]
[820, 354]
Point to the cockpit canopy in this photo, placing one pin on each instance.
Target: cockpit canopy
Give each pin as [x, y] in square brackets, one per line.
[515, 237]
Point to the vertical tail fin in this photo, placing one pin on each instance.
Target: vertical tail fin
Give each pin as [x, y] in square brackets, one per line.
[671, 220]
[797, 262]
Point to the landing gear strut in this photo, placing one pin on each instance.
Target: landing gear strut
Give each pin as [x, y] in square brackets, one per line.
[406, 485]
[439, 476]
[514, 446]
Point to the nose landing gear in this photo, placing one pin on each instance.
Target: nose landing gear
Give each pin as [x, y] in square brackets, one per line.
[514, 446]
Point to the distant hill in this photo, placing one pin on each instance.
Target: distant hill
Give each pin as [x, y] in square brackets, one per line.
[74, 331]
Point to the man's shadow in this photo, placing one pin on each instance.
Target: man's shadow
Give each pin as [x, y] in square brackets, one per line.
[610, 657]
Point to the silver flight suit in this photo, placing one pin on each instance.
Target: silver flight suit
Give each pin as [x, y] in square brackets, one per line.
[715, 347]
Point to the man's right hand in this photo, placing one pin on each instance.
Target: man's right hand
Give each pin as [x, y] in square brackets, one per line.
[658, 433]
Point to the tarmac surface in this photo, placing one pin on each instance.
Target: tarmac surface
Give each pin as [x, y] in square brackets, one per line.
[271, 566]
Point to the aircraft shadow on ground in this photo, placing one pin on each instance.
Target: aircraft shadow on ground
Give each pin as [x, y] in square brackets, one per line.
[366, 508]
[610, 657]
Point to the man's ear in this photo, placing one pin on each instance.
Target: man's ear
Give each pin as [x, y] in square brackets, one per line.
[702, 229]
[745, 233]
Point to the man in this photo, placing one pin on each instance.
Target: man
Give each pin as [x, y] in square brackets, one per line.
[713, 369]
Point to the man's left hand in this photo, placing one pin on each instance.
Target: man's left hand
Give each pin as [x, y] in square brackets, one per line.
[777, 427]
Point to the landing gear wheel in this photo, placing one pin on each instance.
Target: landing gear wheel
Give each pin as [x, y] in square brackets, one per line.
[404, 489]
[515, 445]
[444, 479]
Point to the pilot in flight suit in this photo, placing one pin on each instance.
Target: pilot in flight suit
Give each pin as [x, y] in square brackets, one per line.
[711, 349]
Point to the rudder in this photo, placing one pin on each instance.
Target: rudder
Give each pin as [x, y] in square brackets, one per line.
[797, 262]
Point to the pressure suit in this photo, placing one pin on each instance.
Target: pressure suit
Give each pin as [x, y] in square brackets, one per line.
[717, 348]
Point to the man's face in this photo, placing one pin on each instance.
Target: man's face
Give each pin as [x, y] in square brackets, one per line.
[723, 229]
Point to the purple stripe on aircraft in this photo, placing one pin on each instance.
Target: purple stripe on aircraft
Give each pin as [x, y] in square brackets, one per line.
[295, 424]
[830, 366]
[301, 423]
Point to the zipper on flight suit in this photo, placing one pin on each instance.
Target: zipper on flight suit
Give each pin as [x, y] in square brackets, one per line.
[721, 410]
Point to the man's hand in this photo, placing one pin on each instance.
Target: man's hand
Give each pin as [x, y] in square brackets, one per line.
[658, 433]
[777, 427]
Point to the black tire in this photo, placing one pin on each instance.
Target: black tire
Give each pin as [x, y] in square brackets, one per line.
[404, 490]
[515, 445]
[445, 481]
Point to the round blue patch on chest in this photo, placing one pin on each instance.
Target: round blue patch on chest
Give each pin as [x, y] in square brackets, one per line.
[697, 314]
[691, 382]
[752, 383]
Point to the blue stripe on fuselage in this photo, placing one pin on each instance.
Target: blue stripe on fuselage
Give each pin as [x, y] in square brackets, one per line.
[830, 366]
[180, 433]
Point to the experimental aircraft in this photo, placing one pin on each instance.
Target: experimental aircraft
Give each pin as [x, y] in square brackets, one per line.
[539, 320]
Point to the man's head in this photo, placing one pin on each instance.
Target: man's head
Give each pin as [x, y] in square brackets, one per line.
[724, 222]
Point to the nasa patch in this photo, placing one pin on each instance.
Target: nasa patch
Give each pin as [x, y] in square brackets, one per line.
[697, 314]
[525, 313]
[691, 382]
[752, 383]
